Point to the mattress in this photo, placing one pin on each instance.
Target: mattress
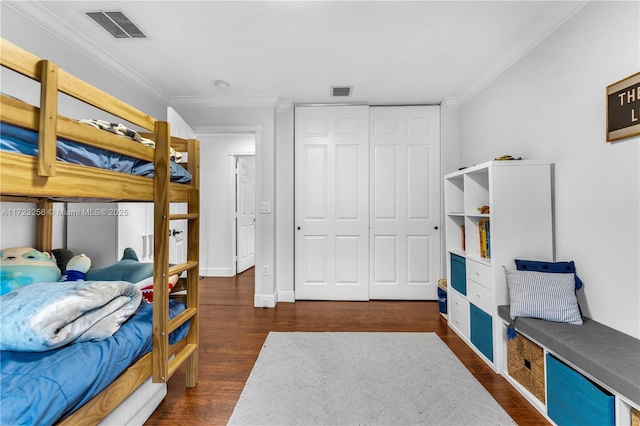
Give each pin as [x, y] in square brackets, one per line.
[42, 387]
[23, 141]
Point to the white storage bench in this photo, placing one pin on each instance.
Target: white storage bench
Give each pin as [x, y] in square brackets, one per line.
[591, 373]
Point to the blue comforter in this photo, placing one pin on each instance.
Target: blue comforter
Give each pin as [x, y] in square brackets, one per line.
[46, 316]
[23, 141]
[39, 388]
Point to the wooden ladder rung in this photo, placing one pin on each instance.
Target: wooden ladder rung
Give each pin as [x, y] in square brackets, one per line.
[183, 216]
[180, 268]
[180, 319]
[181, 357]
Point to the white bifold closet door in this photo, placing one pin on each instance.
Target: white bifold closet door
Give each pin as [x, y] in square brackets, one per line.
[405, 202]
[332, 203]
[367, 202]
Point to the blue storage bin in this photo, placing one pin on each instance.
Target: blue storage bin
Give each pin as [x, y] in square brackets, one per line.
[459, 273]
[481, 330]
[442, 301]
[572, 399]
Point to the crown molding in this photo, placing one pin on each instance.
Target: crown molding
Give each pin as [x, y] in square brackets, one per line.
[36, 13]
[557, 16]
[225, 101]
[450, 102]
[208, 130]
[284, 106]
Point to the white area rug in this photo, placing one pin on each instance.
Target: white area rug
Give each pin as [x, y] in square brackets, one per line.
[363, 379]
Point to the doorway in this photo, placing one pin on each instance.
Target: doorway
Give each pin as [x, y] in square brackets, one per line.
[245, 212]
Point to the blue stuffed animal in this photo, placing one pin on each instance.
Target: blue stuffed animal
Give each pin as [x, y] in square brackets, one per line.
[22, 266]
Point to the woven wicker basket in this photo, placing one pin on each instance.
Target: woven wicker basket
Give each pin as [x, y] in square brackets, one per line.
[525, 364]
[442, 283]
[635, 417]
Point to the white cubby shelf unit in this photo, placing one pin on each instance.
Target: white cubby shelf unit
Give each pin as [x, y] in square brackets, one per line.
[520, 224]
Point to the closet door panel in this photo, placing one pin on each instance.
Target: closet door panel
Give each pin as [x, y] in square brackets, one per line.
[405, 194]
[418, 184]
[315, 253]
[347, 247]
[384, 182]
[418, 264]
[347, 171]
[385, 254]
[332, 203]
[315, 183]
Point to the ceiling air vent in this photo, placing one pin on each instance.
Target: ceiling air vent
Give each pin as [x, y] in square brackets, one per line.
[341, 91]
[117, 24]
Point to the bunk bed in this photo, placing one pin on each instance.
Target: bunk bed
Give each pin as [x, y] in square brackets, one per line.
[43, 177]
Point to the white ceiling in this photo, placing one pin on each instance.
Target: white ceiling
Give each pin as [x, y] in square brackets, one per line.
[273, 51]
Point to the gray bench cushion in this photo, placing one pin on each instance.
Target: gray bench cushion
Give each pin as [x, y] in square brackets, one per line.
[608, 355]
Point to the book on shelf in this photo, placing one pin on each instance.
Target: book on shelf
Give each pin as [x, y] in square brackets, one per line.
[484, 238]
[463, 244]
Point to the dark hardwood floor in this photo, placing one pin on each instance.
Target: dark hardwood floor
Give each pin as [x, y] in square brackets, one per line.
[232, 332]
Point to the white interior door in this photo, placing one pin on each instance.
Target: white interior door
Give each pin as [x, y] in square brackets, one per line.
[405, 202]
[245, 213]
[332, 203]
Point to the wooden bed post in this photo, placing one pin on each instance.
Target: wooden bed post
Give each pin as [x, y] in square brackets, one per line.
[161, 201]
[48, 119]
[193, 275]
[44, 226]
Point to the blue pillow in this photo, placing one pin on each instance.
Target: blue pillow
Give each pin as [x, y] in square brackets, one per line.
[543, 295]
[551, 267]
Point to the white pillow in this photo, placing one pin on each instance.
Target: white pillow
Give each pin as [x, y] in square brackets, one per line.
[543, 295]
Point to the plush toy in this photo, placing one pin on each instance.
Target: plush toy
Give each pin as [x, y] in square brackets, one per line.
[507, 158]
[484, 209]
[126, 269]
[22, 266]
[129, 269]
[77, 268]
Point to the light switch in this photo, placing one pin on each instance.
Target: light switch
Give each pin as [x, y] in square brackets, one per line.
[265, 207]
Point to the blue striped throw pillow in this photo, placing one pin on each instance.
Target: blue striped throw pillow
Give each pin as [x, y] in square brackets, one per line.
[543, 295]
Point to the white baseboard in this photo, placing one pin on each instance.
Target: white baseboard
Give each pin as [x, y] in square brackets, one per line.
[265, 300]
[216, 272]
[287, 296]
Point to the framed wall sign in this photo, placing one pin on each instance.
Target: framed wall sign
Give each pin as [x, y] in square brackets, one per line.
[623, 108]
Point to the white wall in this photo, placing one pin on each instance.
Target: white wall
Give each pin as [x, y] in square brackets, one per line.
[264, 118]
[284, 231]
[449, 159]
[216, 258]
[551, 105]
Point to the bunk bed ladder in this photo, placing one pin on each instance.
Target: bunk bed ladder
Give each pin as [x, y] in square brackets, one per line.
[163, 367]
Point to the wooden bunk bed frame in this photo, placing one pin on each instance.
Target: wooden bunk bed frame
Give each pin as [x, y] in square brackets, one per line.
[37, 179]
